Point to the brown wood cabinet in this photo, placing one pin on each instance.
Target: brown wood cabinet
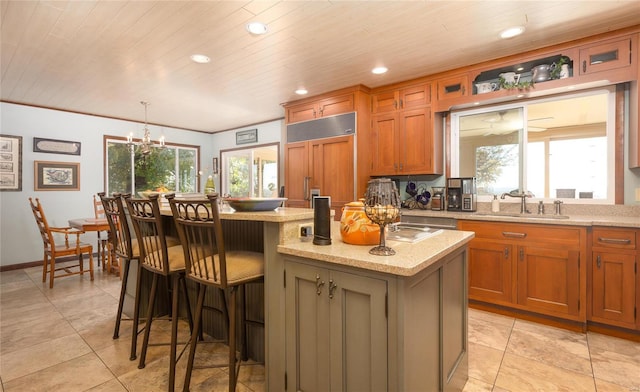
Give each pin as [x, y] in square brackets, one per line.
[605, 56]
[321, 108]
[324, 164]
[532, 267]
[453, 87]
[403, 138]
[614, 281]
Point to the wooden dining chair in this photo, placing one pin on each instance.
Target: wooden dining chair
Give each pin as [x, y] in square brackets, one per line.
[209, 265]
[52, 250]
[103, 237]
[163, 261]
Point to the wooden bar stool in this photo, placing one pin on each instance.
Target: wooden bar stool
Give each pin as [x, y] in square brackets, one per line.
[163, 261]
[209, 265]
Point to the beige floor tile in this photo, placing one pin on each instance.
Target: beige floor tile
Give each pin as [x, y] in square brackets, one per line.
[32, 359]
[553, 346]
[491, 330]
[475, 385]
[615, 367]
[484, 362]
[523, 374]
[16, 337]
[78, 374]
[605, 386]
[110, 386]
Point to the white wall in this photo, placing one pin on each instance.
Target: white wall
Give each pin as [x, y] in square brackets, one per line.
[19, 238]
[270, 132]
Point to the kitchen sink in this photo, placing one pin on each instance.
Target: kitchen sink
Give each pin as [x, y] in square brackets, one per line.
[518, 215]
[410, 232]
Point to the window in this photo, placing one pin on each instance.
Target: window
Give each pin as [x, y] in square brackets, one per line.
[554, 148]
[169, 169]
[250, 172]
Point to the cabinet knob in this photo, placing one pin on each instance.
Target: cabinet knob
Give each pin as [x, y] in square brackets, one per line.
[599, 261]
[332, 288]
[319, 284]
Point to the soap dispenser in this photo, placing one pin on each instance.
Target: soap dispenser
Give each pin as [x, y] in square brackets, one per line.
[495, 204]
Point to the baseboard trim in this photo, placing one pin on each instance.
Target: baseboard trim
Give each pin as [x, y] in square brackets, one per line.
[31, 264]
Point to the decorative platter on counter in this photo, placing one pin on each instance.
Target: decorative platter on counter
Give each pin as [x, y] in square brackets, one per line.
[254, 203]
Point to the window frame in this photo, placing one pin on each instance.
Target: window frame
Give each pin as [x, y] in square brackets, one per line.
[223, 170]
[612, 132]
[176, 146]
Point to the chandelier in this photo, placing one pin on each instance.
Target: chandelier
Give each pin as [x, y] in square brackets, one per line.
[146, 144]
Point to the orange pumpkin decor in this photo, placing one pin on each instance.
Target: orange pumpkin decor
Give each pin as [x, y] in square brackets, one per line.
[355, 227]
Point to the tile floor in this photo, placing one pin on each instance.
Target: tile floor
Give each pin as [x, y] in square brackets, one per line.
[60, 339]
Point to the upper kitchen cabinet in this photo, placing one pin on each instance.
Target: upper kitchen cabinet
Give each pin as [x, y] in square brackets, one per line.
[606, 56]
[453, 87]
[405, 98]
[403, 138]
[321, 108]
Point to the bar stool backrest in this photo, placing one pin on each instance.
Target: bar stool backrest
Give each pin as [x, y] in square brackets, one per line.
[116, 214]
[147, 223]
[200, 231]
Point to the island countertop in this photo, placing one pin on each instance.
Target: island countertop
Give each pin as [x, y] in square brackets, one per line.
[410, 258]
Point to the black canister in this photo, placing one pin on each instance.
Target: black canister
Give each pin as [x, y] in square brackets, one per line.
[322, 220]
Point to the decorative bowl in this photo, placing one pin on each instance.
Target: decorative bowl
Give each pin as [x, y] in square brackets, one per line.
[254, 203]
[146, 194]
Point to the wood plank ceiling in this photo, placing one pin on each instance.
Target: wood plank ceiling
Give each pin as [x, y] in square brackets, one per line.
[103, 57]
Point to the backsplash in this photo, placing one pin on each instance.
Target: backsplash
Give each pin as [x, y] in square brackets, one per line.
[570, 209]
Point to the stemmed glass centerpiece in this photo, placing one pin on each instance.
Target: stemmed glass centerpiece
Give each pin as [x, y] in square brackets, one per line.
[382, 206]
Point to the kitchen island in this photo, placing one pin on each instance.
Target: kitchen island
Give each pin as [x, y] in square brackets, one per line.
[336, 317]
[343, 319]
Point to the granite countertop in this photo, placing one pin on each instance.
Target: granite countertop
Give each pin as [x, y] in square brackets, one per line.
[281, 214]
[410, 258]
[621, 217]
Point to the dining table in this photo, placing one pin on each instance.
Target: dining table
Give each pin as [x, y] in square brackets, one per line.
[97, 225]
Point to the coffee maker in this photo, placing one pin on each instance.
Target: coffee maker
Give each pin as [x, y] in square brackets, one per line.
[461, 194]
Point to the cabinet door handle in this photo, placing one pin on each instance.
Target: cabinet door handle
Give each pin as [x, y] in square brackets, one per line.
[463, 90]
[506, 252]
[395, 104]
[401, 167]
[521, 254]
[513, 234]
[319, 284]
[401, 104]
[332, 288]
[617, 241]
[584, 65]
[305, 188]
[321, 112]
[599, 261]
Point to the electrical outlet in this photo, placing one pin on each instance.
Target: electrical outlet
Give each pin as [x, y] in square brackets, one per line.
[305, 230]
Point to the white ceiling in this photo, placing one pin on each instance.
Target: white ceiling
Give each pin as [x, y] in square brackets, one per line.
[104, 57]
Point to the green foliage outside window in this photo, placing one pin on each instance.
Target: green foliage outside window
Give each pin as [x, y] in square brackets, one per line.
[164, 169]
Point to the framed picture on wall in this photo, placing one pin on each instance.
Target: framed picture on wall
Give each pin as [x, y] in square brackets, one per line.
[56, 176]
[56, 146]
[10, 163]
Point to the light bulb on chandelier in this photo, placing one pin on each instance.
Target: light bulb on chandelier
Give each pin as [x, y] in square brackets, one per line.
[146, 144]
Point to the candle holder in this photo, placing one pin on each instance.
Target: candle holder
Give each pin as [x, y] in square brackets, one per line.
[382, 206]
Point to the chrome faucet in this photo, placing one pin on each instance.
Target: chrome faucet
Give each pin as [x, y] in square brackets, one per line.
[523, 196]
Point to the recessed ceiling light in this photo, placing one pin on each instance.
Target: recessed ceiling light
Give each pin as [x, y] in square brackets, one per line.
[257, 28]
[200, 58]
[379, 70]
[301, 91]
[512, 32]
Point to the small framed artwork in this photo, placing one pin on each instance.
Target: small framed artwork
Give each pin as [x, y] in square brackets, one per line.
[248, 136]
[56, 176]
[56, 146]
[10, 163]
[215, 165]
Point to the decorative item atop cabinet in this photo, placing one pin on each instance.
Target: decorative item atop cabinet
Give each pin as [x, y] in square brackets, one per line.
[523, 76]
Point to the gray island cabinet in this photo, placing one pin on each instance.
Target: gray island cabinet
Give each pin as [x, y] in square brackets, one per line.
[342, 319]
